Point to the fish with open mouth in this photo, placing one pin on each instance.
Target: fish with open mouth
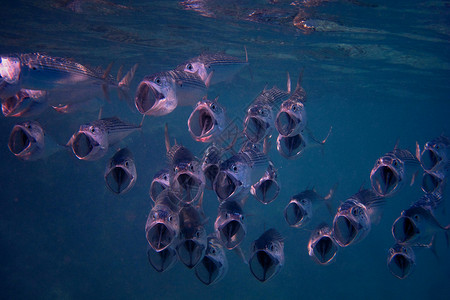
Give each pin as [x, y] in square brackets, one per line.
[214, 265]
[433, 182]
[417, 225]
[435, 156]
[301, 207]
[230, 226]
[267, 188]
[28, 141]
[207, 122]
[214, 67]
[92, 140]
[291, 119]
[159, 183]
[212, 157]
[159, 94]
[163, 260]
[163, 221]
[322, 247]
[192, 241]
[355, 216]
[389, 172]
[26, 103]
[267, 255]
[120, 172]
[401, 260]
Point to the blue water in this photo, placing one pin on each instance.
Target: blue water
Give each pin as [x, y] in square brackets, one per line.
[377, 72]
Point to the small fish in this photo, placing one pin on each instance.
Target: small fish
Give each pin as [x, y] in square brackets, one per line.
[120, 173]
[26, 103]
[293, 147]
[163, 221]
[210, 164]
[207, 121]
[322, 247]
[28, 141]
[159, 94]
[192, 242]
[163, 260]
[267, 255]
[267, 188]
[435, 156]
[214, 265]
[214, 68]
[159, 183]
[353, 219]
[300, 209]
[92, 140]
[401, 261]
[229, 226]
[388, 174]
[291, 119]
[417, 225]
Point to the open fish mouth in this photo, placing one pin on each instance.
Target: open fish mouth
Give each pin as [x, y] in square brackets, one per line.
[225, 185]
[266, 191]
[163, 260]
[286, 124]
[146, 98]
[384, 181]
[231, 233]
[156, 188]
[20, 140]
[325, 250]
[400, 265]
[404, 230]
[263, 265]
[159, 236]
[201, 124]
[208, 271]
[83, 145]
[431, 183]
[210, 172]
[294, 214]
[255, 129]
[190, 252]
[10, 106]
[290, 147]
[429, 159]
[119, 180]
[344, 230]
[188, 187]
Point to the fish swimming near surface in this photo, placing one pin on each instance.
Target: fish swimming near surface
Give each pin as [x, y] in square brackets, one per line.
[230, 226]
[159, 183]
[267, 188]
[120, 172]
[401, 260]
[267, 255]
[92, 140]
[159, 94]
[163, 260]
[28, 141]
[214, 265]
[322, 247]
[435, 156]
[355, 216]
[26, 103]
[207, 122]
[163, 221]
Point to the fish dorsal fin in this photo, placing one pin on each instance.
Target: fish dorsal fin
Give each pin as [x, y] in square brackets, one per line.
[100, 113]
[246, 55]
[119, 73]
[166, 137]
[216, 99]
[417, 151]
[288, 83]
[107, 70]
[126, 80]
[396, 144]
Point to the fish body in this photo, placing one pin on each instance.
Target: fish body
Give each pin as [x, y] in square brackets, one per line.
[159, 183]
[267, 188]
[214, 265]
[322, 247]
[401, 261]
[120, 173]
[207, 122]
[26, 103]
[229, 226]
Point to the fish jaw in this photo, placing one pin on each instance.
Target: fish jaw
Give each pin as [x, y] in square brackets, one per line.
[85, 146]
[291, 147]
[161, 233]
[152, 100]
[323, 249]
[256, 128]
[296, 215]
[188, 185]
[430, 159]
[346, 230]
[227, 186]
[209, 271]
[191, 252]
[26, 141]
[432, 182]
[163, 260]
[385, 180]
[120, 179]
[230, 231]
[203, 124]
[401, 261]
[156, 187]
[264, 265]
[405, 230]
[266, 190]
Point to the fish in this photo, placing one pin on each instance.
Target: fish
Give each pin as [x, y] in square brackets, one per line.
[207, 122]
[435, 156]
[163, 222]
[230, 226]
[159, 94]
[163, 260]
[417, 225]
[433, 182]
[26, 103]
[214, 67]
[322, 247]
[214, 265]
[192, 241]
[267, 188]
[120, 172]
[401, 260]
[301, 207]
[389, 172]
[159, 183]
[294, 146]
[267, 255]
[28, 141]
[354, 217]
[92, 140]
[292, 119]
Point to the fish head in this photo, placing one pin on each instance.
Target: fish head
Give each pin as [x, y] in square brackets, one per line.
[298, 212]
[387, 175]
[433, 182]
[401, 260]
[10, 70]
[291, 119]
[411, 224]
[162, 227]
[233, 178]
[322, 246]
[267, 257]
[198, 67]
[163, 260]
[291, 147]
[258, 122]
[230, 226]
[207, 121]
[433, 154]
[90, 142]
[26, 140]
[159, 183]
[351, 223]
[266, 189]
[188, 181]
[156, 95]
[120, 173]
[214, 265]
[192, 245]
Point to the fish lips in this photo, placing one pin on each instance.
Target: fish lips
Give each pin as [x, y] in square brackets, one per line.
[21, 142]
[156, 187]
[160, 235]
[226, 185]
[188, 186]
[295, 214]
[263, 265]
[385, 180]
[147, 98]
[405, 229]
[400, 265]
[287, 123]
[429, 159]
[431, 182]
[291, 147]
[163, 260]
[345, 230]
[119, 179]
[266, 190]
[255, 128]
[231, 232]
[85, 146]
[190, 252]
[324, 250]
[209, 270]
[202, 124]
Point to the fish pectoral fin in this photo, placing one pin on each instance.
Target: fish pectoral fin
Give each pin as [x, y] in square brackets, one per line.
[208, 79]
[413, 178]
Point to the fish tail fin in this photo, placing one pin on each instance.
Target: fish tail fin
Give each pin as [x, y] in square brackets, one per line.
[124, 83]
[288, 83]
[328, 198]
[417, 151]
[119, 73]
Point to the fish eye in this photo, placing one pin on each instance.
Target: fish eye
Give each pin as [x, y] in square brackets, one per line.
[227, 215]
[213, 251]
[126, 163]
[92, 129]
[417, 217]
[191, 167]
[165, 177]
[234, 168]
[271, 247]
[303, 201]
[213, 106]
[404, 250]
[437, 147]
[27, 125]
[175, 169]
[158, 81]
[170, 218]
[197, 234]
[242, 218]
[356, 211]
[294, 107]
[189, 67]
[154, 216]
